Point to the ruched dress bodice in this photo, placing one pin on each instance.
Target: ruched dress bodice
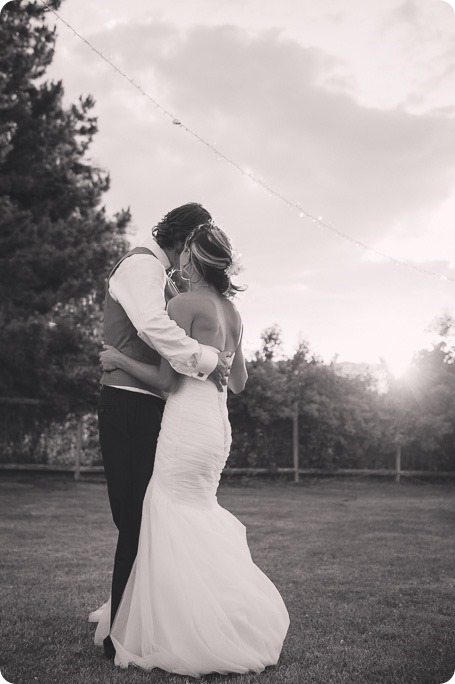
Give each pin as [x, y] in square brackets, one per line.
[194, 443]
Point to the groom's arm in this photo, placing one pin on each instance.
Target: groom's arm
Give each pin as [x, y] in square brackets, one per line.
[138, 285]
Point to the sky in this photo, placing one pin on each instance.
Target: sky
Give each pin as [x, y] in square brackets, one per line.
[347, 108]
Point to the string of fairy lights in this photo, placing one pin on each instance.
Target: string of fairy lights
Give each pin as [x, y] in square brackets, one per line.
[302, 212]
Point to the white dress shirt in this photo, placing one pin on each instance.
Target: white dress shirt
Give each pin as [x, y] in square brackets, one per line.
[138, 286]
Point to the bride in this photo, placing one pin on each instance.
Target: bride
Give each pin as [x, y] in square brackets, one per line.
[195, 602]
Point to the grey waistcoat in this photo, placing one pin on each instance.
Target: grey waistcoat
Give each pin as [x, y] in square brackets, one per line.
[121, 333]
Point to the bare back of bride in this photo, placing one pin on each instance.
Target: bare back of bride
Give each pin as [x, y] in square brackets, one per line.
[195, 601]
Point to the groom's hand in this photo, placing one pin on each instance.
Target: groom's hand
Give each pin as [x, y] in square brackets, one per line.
[220, 374]
[110, 358]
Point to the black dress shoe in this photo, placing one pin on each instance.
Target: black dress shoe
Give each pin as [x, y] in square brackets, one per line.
[109, 648]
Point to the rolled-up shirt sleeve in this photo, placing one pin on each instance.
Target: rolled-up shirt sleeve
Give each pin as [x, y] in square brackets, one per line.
[138, 286]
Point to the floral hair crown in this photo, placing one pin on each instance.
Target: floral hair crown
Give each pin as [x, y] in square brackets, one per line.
[235, 267]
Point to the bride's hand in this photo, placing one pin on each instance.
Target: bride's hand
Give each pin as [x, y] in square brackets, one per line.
[111, 358]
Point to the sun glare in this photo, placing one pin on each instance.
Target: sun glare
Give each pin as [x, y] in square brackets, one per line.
[398, 364]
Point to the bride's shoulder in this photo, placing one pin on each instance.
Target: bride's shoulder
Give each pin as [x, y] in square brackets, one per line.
[189, 301]
[231, 307]
[183, 309]
[182, 300]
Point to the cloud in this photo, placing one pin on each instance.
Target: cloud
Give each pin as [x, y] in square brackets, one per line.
[262, 99]
[269, 103]
[289, 112]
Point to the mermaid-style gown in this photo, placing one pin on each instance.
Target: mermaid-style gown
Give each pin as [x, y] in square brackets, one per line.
[195, 602]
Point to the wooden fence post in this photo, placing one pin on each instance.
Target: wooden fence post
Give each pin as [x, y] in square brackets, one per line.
[295, 441]
[398, 462]
[79, 434]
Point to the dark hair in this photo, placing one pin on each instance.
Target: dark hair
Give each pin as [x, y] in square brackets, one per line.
[177, 225]
[210, 251]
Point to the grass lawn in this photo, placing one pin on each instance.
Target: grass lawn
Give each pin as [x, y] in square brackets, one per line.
[366, 570]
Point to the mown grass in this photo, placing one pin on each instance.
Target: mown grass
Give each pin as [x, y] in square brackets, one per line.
[366, 569]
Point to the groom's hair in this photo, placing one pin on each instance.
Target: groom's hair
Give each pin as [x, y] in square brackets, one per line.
[178, 224]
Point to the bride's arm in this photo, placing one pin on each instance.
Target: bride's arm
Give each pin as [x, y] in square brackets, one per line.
[239, 374]
[162, 377]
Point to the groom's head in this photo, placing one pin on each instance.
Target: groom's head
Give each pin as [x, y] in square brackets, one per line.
[174, 228]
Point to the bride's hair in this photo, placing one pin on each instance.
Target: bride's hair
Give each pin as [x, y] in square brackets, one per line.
[210, 252]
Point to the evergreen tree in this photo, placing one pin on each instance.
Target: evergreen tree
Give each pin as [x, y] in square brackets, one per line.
[56, 241]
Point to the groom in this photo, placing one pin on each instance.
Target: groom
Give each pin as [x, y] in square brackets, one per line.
[129, 412]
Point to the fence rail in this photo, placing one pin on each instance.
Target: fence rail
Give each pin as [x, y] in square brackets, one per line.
[82, 455]
[377, 472]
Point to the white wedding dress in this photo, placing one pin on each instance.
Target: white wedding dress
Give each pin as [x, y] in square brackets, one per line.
[195, 602]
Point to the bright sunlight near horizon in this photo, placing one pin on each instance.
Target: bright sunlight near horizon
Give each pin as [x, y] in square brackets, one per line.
[399, 365]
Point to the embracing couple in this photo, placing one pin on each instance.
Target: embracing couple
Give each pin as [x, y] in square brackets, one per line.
[186, 596]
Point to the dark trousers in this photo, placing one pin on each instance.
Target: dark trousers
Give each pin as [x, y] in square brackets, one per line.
[129, 424]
